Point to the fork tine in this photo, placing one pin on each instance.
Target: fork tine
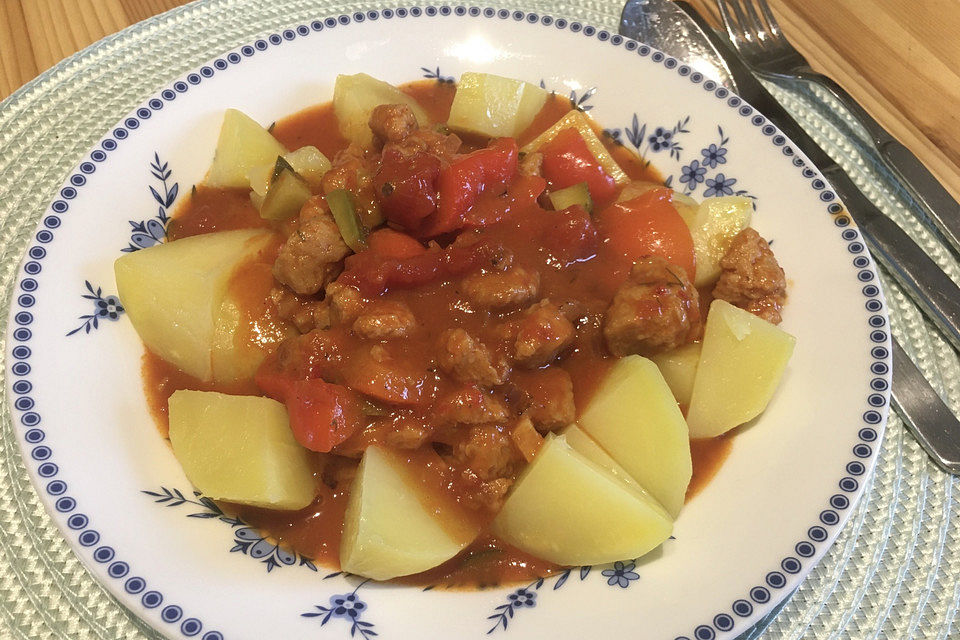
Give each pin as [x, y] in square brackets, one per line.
[774, 26]
[737, 27]
[733, 28]
[755, 24]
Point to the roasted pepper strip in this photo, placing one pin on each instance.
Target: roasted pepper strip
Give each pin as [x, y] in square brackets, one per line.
[373, 274]
[490, 209]
[646, 225]
[462, 183]
[567, 161]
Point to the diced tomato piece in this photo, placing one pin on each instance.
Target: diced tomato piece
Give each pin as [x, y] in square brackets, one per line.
[647, 225]
[522, 193]
[570, 235]
[406, 187]
[373, 275]
[322, 415]
[393, 244]
[483, 171]
[567, 161]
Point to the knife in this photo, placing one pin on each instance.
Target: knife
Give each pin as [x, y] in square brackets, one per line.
[920, 276]
[678, 30]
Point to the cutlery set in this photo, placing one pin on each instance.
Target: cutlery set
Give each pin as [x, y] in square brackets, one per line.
[754, 49]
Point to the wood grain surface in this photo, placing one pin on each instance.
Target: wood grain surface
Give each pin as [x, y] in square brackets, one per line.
[899, 58]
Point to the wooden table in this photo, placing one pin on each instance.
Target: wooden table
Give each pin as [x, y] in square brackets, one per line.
[900, 59]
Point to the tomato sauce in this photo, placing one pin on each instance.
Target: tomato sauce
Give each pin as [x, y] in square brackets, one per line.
[315, 531]
[708, 455]
[208, 209]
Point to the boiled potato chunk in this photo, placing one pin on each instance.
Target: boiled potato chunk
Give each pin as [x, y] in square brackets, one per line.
[494, 106]
[568, 509]
[391, 528]
[243, 145]
[586, 446]
[714, 226]
[354, 99]
[173, 293]
[635, 418]
[579, 121]
[248, 326]
[679, 367]
[240, 449]
[741, 363]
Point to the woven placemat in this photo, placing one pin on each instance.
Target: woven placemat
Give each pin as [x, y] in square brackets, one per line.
[893, 572]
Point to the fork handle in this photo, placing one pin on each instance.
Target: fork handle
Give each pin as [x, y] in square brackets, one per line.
[941, 208]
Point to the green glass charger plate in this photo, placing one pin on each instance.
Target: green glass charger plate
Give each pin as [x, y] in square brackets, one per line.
[892, 573]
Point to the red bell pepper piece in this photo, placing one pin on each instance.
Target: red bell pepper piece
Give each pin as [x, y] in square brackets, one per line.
[322, 415]
[388, 243]
[461, 183]
[396, 381]
[568, 161]
[406, 187]
[373, 275]
[271, 380]
[647, 225]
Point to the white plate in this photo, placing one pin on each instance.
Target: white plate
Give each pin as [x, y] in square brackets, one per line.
[113, 486]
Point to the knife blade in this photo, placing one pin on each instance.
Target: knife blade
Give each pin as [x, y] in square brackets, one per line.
[665, 26]
[925, 413]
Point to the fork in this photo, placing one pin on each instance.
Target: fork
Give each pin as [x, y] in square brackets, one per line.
[757, 36]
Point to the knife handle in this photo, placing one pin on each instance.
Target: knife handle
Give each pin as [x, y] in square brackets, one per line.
[926, 415]
[941, 208]
[922, 278]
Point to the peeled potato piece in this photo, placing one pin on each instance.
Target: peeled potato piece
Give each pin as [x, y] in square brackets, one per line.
[586, 446]
[248, 326]
[635, 418]
[240, 449]
[713, 226]
[741, 363]
[391, 528]
[494, 106]
[354, 99]
[243, 144]
[173, 293]
[679, 367]
[568, 509]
